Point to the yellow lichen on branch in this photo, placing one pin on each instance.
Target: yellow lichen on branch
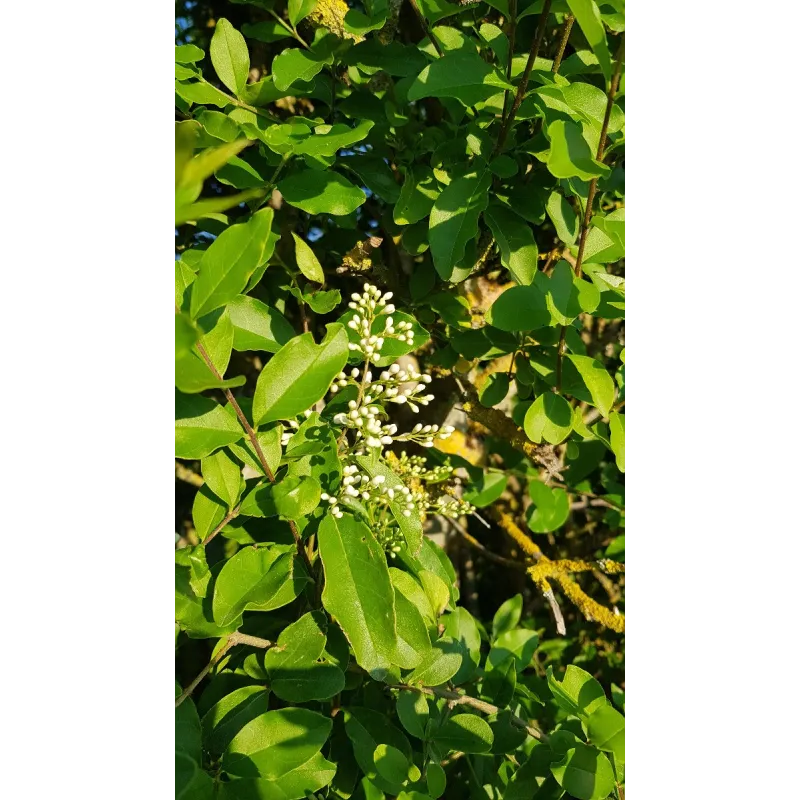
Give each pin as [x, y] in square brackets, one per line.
[330, 14]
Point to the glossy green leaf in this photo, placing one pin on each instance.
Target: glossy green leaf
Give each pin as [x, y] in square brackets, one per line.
[578, 692]
[296, 497]
[499, 682]
[321, 193]
[461, 627]
[467, 733]
[495, 389]
[548, 418]
[585, 773]
[437, 590]
[413, 712]
[563, 217]
[598, 382]
[412, 590]
[270, 442]
[207, 512]
[307, 262]
[605, 728]
[188, 54]
[568, 296]
[329, 139]
[454, 219]
[518, 251]
[413, 642]
[229, 56]
[230, 714]
[507, 616]
[257, 326]
[299, 9]
[311, 776]
[438, 666]
[295, 65]
[550, 507]
[276, 742]
[487, 489]
[295, 672]
[358, 592]
[202, 426]
[258, 579]
[223, 476]
[587, 15]
[463, 75]
[570, 155]
[519, 643]
[520, 308]
[391, 763]
[229, 261]
[299, 374]
[616, 423]
[420, 190]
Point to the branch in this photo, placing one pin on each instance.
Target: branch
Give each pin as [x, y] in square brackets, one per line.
[234, 512]
[186, 475]
[470, 539]
[458, 699]
[523, 84]
[251, 435]
[562, 45]
[512, 37]
[587, 216]
[232, 641]
[425, 27]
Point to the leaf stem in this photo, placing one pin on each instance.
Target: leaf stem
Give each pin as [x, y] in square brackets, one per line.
[292, 30]
[232, 641]
[587, 216]
[251, 435]
[523, 84]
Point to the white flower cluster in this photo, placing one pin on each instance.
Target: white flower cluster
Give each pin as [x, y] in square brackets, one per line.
[417, 467]
[367, 304]
[360, 486]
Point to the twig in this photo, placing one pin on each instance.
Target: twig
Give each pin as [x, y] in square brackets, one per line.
[183, 473]
[251, 435]
[470, 539]
[234, 512]
[233, 640]
[289, 28]
[425, 27]
[512, 37]
[587, 216]
[458, 699]
[523, 84]
[562, 45]
[556, 609]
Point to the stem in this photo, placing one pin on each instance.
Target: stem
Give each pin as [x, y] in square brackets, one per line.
[457, 699]
[523, 84]
[234, 512]
[233, 640]
[251, 435]
[289, 28]
[470, 539]
[562, 45]
[512, 36]
[587, 217]
[237, 102]
[428, 30]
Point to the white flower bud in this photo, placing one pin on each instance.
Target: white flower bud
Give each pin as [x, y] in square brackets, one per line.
[352, 324]
[390, 309]
[386, 439]
[406, 513]
[355, 372]
[388, 296]
[352, 346]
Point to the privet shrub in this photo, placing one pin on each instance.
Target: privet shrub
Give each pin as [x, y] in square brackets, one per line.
[400, 380]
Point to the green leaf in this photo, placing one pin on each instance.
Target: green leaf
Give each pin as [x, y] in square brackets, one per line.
[436, 779]
[256, 578]
[497, 40]
[437, 667]
[507, 616]
[411, 589]
[436, 589]
[188, 54]
[276, 742]
[230, 714]
[202, 426]
[568, 296]
[605, 728]
[299, 9]
[376, 175]
[548, 418]
[462, 628]
[299, 374]
[519, 643]
[410, 526]
[257, 326]
[313, 775]
[321, 193]
[570, 155]
[186, 334]
[518, 251]
[578, 692]
[585, 773]
[616, 422]
[487, 488]
[228, 263]
[598, 382]
[329, 139]
[465, 732]
[223, 476]
[499, 682]
[391, 763]
[420, 190]
[463, 75]
[229, 56]
[307, 262]
[295, 672]
[413, 712]
[270, 442]
[295, 65]
[563, 217]
[550, 507]
[413, 642]
[587, 15]
[454, 219]
[296, 497]
[520, 308]
[358, 592]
